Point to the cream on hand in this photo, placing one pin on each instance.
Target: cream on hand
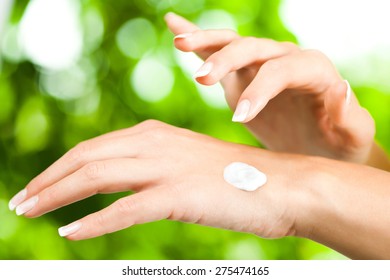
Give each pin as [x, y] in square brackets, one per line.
[244, 176]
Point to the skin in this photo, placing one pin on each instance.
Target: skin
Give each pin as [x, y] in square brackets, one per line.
[294, 94]
[177, 175]
[165, 165]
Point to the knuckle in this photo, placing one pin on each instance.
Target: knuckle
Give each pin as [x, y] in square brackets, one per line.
[94, 170]
[157, 133]
[249, 40]
[230, 33]
[160, 131]
[79, 153]
[100, 222]
[125, 206]
[150, 125]
[272, 66]
[52, 195]
[290, 46]
[313, 52]
[321, 63]
[316, 54]
[36, 184]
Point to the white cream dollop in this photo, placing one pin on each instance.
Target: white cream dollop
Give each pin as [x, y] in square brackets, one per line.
[244, 176]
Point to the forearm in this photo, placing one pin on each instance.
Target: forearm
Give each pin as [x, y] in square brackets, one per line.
[378, 158]
[340, 211]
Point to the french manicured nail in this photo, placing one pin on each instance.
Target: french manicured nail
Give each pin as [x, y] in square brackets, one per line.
[27, 205]
[69, 229]
[204, 70]
[348, 93]
[183, 36]
[242, 111]
[17, 199]
[169, 14]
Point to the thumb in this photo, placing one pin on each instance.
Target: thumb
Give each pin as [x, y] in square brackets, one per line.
[337, 100]
[347, 115]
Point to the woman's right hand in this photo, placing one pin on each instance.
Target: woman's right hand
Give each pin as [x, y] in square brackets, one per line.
[292, 100]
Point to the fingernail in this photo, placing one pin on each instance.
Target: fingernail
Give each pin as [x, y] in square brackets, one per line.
[17, 199]
[169, 14]
[204, 70]
[27, 205]
[182, 36]
[348, 93]
[242, 111]
[69, 229]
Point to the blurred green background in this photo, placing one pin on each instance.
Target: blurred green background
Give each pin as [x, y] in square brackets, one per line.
[119, 69]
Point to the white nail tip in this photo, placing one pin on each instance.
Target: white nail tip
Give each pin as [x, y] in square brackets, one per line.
[27, 205]
[183, 36]
[17, 199]
[204, 70]
[244, 176]
[170, 14]
[69, 229]
[348, 93]
[242, 111]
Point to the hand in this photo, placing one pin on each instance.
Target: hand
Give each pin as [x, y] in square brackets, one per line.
[176, 174]
[292, 100]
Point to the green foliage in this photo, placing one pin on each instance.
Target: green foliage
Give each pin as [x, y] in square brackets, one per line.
[97, 95]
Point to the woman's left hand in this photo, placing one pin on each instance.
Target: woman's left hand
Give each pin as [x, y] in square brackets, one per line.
[176, 174]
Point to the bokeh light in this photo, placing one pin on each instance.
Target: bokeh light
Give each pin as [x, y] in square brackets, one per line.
[10, 46]
[136, 37]
[353, 36]
[93, 24]
[50, 33]
[32, 126]
[246, 249]
[5, 6]
[212, 95]
[216, 19]
[187, 7]
[7, 100]
[152, 80]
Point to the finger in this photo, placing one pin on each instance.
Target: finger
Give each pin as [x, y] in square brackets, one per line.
[96, 177]
[178, 24]
[88, 151]
[130, 142]
[347, 116]
[62, 167]
[204, 42]
[190, 37]
[305, 71]
[147, 206]
[337, 97]
[241, 53]
[79, 156]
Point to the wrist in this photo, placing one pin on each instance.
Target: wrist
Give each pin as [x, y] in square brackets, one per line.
[338, 210]
[312, 202]
[295, 198]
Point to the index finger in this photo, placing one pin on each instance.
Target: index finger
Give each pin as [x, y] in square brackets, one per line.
[147, 206]
[178, 24]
